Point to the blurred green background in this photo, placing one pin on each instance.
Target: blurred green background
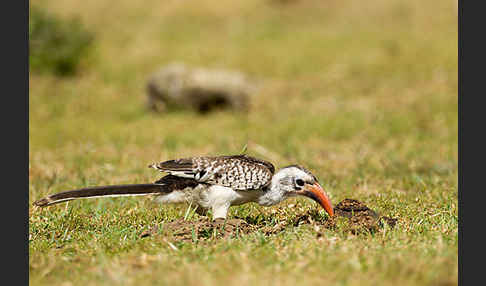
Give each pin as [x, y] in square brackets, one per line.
[363, 93]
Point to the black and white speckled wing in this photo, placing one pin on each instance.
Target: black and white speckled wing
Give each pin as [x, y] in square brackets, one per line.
[239, 172]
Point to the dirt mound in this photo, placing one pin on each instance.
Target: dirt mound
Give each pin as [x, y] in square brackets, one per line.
[358, 219]
[355, 215]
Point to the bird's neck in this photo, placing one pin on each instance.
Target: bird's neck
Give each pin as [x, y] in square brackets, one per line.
[276, 191]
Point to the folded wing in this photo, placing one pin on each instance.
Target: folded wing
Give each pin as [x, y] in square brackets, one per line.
[239, 172]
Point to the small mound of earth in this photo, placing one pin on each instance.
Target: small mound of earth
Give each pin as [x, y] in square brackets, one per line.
[359, 217]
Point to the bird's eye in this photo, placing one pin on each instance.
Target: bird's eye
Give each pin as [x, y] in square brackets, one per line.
[299, 182]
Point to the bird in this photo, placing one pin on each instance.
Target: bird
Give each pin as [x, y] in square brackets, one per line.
[214, 183]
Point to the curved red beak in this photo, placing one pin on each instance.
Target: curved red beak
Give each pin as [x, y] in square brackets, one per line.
[316, 193]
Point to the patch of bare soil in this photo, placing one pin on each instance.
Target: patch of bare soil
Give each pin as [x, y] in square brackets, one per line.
[359, 218]
[182, 230]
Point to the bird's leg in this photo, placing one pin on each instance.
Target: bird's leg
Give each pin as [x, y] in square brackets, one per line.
[201, 211]
[219, 199]
[220, 211]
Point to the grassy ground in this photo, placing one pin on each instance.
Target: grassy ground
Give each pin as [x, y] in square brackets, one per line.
[362, 93]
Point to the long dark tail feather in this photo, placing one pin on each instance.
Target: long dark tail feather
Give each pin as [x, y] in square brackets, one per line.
[103, 191]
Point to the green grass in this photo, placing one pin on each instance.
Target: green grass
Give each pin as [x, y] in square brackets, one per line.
[362, 93]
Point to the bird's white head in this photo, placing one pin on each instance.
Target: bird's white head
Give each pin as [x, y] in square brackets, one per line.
[295, 180]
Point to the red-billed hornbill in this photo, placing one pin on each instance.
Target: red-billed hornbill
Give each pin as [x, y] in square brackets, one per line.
[214, 183]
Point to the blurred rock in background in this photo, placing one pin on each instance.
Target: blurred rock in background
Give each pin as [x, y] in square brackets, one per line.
[177, 86]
